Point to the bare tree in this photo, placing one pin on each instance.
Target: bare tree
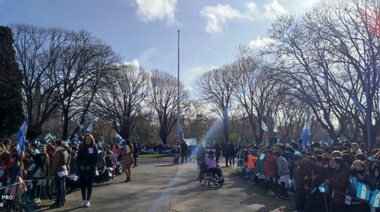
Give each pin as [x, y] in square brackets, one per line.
[37, 52]
[257, 93]
[80, 71]
[164, 100]
[59, 68]
[122, 99]
[216, 87]
[326, 59]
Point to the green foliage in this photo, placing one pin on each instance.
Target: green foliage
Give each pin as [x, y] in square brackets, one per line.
[145, 132]
[11, 112]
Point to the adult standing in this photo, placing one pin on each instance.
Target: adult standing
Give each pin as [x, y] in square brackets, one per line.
[184, 151]
[226, 153]
[231, 153]
[201, 154]
[59, 169]
[135, 153]
[218, 150]
[86, 161]
[176, 151]
[128, 159]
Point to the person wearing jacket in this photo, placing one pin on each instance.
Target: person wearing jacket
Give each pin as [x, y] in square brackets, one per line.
[60, 172]
[250, 164]
[87, 158]
[338, 181]
[302, 178]
[284, 175]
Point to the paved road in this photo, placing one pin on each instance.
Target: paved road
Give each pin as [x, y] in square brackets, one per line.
[159, 186]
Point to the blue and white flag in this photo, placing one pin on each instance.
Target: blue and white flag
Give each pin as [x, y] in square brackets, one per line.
[81, 127]
[354, 183]
[324, 188]
[363, 191]
[264, 126]
[275, 128]
[48, 137]
[118, 138]
[238, 145]
[180, 131]
[305, 132]
[357, 103]
[101, 142]
[375, 199]
[290, 183]
[21, 135]
[89, 127]
[261, 156]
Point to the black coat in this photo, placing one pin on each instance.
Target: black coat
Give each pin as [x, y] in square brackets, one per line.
[86, 161]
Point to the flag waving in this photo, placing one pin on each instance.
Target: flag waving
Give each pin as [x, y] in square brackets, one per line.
[375, 199]
[264, 126]
[363, 191]
[305, 132]
[357, 103]
[21, 135]
[323, 188]
[275, 128]
[89, 127]
[118, 138]
[180, 131]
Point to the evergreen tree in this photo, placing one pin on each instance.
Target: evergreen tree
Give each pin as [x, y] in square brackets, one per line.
[11, 111]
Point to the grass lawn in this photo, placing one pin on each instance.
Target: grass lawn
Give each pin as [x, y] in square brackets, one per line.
[155, 156]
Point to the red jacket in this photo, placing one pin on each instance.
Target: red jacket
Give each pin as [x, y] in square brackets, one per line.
[270, 165]
[338, 181]
[300, 172]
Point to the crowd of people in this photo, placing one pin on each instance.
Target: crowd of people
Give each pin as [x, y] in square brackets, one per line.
[320, 178]
[53, 168]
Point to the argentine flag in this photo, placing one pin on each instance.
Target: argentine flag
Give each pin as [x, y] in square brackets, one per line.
[363, 191]
[323, 188]
[264, 126]
[305, 132]
[375, 199]
[89, 127]
[118, 138]
[21, 135]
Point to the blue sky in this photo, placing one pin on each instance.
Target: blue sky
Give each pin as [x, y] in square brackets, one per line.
[144, 32]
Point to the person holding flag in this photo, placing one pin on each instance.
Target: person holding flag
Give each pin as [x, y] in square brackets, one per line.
[358, 174]
[21, 135]
[338, 180]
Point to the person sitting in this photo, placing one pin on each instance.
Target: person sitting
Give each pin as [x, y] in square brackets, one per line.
[212, 167]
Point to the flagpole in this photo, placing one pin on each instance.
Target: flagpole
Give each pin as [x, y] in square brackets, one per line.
[178, 100]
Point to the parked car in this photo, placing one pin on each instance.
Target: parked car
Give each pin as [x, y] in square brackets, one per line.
[147, 151]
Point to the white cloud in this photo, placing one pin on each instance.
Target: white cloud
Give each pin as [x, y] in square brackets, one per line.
[259, 43]
[267, 11]
[216, 16]
[149, 11]
[219, 15]
[191, 75]
[134, 62]
[273, 9]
